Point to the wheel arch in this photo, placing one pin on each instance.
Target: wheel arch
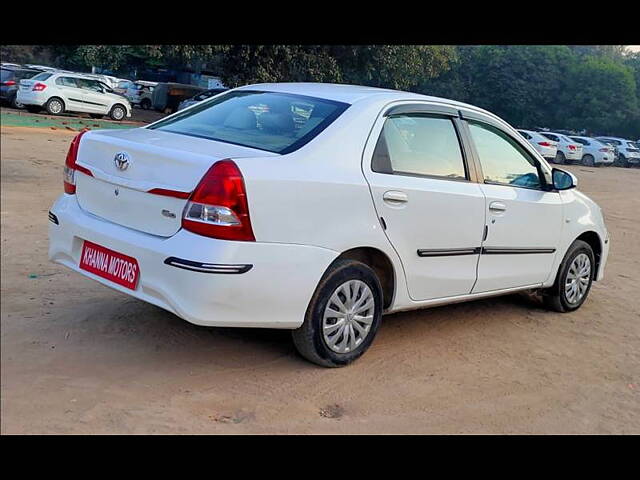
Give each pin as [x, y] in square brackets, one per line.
[595, 242]
[380, 263]
[64, 104]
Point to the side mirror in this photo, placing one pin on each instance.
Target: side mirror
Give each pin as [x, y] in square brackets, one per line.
[563, 180]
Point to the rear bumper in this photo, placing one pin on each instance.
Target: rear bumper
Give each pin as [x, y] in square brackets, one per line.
[570, 155]
[273, 293]
[29, 97]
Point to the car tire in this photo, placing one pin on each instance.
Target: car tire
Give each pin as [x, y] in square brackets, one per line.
[317, 340]
[15, 103]
[623, 161]
[96, 115]
[560, 158]
[145, 104]
[117, 112]
[588, 161]
[574, 279]
[54, 106]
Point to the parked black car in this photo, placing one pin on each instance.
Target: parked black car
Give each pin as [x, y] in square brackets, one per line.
[9, 80]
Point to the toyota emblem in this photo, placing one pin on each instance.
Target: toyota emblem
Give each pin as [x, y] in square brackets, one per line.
[121, 160]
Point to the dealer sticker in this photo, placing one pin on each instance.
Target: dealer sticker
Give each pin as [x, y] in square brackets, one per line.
[113, 266]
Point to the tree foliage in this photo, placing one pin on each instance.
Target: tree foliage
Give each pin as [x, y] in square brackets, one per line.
[563, 86]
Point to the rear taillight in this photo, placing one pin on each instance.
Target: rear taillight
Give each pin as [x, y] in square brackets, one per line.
[70, 165]
[38, 87]
[572, 147]
[9, 83]
[218, 207]
[604, 150]
[545, 144]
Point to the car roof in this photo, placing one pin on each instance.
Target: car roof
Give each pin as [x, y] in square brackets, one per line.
[350, 93]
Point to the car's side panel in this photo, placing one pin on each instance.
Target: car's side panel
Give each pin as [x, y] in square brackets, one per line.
[531, 223]
[581, 215]
[318, 195]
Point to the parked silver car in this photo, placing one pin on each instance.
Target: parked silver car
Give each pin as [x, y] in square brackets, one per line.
[200, 97]
[595, 152]
[628, 152]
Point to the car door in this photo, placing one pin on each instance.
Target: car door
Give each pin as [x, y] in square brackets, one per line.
[424, 192]
[71, 93]
[524, 217]
[93, 97]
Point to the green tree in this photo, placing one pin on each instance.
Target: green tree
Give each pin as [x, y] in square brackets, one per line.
[600, 96]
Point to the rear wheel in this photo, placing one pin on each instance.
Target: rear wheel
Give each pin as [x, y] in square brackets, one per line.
[343, 316]
[54, 106]
[588, 160]
[560, 158]
[15, 103]
[117, 112]
[145, 103]
[574, 279]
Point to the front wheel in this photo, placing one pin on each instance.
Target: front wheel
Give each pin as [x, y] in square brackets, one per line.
[117, 112]
[574, 279]
[343, 316]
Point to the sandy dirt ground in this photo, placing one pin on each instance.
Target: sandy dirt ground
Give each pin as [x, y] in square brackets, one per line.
[78, 357]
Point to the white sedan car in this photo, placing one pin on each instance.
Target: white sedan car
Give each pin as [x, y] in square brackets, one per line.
[60, 92]
[545, 147]
[568, 150]
[595, 152]
[318, 207]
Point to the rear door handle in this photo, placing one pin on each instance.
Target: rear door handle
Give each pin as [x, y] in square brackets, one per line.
[394, 197]
[497, 207]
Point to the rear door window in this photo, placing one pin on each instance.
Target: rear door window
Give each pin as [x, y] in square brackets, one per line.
[66, 82]
[271, 121]
[416, 144]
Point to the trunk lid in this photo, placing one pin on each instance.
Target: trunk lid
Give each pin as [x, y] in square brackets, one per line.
[151, 191]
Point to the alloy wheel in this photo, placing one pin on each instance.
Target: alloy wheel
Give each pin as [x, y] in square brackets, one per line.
[578, 277]
[348, 316]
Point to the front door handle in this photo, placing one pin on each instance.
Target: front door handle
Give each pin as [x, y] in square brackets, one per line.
[394, 197]
[497, 207]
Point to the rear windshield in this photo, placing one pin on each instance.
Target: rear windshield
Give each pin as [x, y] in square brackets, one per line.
[275, 122]
[42, 76]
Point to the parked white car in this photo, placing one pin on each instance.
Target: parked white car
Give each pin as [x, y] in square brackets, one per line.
[232, 213]
[595, 152]
[545, 147]
[627, 151]
[568, 150]
[140, 93]
[65, 92]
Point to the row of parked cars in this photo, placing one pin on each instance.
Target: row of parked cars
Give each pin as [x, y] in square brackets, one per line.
[591, 151]
[37, 88]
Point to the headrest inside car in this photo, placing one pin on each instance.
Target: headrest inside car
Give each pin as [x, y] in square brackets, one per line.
[278, 123]
[241, 118]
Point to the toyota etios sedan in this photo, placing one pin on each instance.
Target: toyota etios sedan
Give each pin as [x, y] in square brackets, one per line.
[317, 208]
